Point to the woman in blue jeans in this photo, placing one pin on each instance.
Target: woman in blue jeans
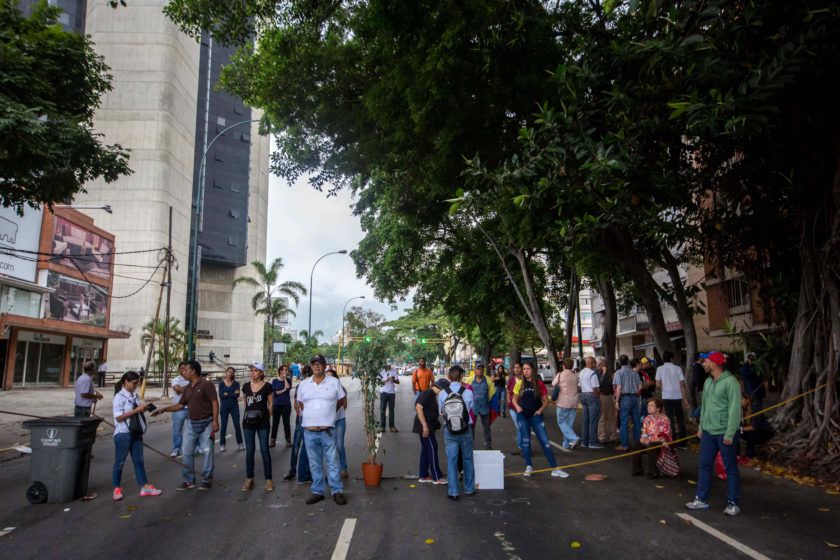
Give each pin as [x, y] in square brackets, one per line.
[256, 422]
[341, 428]
[128, 440]
[530, 399]
[229, 406]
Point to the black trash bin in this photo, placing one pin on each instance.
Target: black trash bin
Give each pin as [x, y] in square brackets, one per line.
[61, 450]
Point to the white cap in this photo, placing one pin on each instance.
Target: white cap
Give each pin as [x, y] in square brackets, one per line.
[259, 366]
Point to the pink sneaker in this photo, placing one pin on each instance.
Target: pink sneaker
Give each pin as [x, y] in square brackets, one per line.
[149, 490]
[118, 494]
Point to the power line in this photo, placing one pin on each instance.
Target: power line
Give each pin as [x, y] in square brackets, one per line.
[57, 257]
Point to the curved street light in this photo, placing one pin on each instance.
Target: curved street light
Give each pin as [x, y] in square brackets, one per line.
[311, 275]
[342, 337]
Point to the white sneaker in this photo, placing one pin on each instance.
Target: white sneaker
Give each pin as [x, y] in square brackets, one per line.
[529, 470]
[697, 504]
[560, 473]
[241, 447]
[174, 454]
[732, 510]
[222, 448]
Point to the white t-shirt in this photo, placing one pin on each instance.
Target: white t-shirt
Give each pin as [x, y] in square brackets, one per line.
[319, 400]
[670, 375]
[178, 382]
[342, 412]
[123, 402]
[588, 380]
[387, 377]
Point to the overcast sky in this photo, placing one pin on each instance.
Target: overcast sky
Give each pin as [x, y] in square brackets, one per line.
[304, 224]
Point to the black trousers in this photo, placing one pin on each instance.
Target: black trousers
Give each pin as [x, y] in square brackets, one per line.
[283, 411]
[675, 413]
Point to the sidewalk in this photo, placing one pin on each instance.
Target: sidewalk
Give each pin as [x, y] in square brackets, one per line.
[50, 402]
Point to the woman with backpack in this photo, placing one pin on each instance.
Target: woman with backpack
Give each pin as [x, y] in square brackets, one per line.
[530, 399]
[258, 396]
[129, 426]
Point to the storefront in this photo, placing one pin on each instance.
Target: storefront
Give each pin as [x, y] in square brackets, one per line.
[38, 359]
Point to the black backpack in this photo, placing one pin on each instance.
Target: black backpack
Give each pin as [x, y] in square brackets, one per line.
[606, 386]
[455, 412]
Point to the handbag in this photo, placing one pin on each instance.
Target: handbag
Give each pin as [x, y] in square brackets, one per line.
[137, 423]
[253, 417]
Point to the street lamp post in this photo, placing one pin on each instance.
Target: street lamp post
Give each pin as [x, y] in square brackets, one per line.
[311, 276]
[198, 208]
[341, 338]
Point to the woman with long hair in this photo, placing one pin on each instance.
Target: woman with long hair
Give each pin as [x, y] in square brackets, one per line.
[229, 392]
[129, 426]
[567, 402]
[341, 427]
[530, 399]
[499, 380]
[258, 396]
[514, 416]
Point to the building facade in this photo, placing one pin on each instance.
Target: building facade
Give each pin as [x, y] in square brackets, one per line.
[54, 310]
[165, 109]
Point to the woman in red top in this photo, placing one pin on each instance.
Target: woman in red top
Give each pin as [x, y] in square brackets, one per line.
[656, 429]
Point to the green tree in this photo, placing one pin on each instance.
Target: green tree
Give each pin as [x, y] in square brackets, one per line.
[53, 82]
[177, 349]
[268, 298]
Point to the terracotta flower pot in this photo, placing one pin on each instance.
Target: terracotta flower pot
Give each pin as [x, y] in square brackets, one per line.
[372, 474]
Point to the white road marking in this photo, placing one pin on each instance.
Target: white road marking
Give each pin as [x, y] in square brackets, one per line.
[344, 538]
[725, 538]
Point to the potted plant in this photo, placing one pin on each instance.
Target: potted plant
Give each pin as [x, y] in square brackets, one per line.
[368, 359]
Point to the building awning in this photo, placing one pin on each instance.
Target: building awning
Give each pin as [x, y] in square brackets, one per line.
[59, 327]
[649, 345]
[24, 285]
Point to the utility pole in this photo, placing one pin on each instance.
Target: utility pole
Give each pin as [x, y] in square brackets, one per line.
[169, 258]
[154, 329]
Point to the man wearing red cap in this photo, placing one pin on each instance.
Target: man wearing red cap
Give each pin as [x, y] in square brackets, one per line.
[720, 419]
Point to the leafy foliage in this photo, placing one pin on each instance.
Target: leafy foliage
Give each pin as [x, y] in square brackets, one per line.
[53, 81]
[368, 359]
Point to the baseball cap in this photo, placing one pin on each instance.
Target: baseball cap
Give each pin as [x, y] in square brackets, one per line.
[259, 366]
[318, 359]
[442, 384]
[715, 357]
[645, 360]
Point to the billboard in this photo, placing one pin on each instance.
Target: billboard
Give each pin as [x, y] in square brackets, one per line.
[81, 249]
[17, 234]
[76, 301]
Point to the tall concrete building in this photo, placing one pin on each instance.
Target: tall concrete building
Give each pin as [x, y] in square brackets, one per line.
[164, 108]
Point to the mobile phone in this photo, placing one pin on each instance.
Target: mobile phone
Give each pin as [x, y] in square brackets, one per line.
[150, 407]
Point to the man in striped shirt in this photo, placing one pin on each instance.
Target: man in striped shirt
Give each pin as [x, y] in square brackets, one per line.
[626, 383]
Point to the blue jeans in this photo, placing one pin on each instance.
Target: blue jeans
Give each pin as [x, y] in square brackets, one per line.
[250, 449]
[123, 445]
[566, 423]
[514, 417]
[463, 444]
[709, 447]
[591, 405]
[178, 418]
[300, 462]
[321, 448]
[502, 392]
[340, 429]
[198, 432]
[429, 465]
[628, 408]
[536, 423]
[229, 408]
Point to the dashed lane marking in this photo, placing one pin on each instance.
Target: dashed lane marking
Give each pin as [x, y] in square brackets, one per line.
[740, 547]
[342, 547]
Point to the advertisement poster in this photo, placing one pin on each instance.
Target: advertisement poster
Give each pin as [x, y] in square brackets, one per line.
[19, 236]
[83, 249]
[76, 301]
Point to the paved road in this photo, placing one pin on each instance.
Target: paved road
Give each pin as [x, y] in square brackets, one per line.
[541, 517]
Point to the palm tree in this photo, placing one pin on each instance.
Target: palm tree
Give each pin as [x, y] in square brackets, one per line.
[268, 298]
[311, 341]
[177, 342]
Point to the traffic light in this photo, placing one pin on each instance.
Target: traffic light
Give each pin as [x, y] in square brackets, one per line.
[422, 341]
[368, 339]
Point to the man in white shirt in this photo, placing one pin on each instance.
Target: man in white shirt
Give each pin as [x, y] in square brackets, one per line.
[101, 372]
[179, 416]
[671, 381]
[388, 396]
[590, 401]
[318, 399]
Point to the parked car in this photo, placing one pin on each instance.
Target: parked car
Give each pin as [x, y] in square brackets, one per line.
[546, 372]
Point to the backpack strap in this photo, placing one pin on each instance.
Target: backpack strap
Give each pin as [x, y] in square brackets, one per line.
[461, 390]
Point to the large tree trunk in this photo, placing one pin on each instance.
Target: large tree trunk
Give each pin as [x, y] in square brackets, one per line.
[684, 312]
[515, 354]
[570, 314]
[534, 307]
[619, 245]
[610, 326]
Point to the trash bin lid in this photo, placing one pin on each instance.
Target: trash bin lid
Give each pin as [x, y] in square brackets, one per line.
[62, 421]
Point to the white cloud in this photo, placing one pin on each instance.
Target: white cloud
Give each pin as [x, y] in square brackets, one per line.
[304, 224]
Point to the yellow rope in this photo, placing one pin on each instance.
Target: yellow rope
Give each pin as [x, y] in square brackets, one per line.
[646, 449]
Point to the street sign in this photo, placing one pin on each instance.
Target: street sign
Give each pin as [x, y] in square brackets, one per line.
[279, 347]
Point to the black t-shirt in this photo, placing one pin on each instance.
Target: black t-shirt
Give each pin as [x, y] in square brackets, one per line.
[500, 381]
[258, 401]
[428, 400]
